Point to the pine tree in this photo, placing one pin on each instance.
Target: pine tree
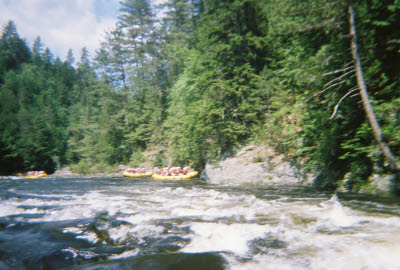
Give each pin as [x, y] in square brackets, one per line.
[70, 58]
[13, 50]
[112, 60]
[136, 21]
[37, 49]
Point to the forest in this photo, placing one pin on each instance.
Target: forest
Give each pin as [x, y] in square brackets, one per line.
[205, 79]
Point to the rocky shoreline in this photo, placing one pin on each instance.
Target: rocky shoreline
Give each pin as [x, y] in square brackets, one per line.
[254, 165]
[259, 164]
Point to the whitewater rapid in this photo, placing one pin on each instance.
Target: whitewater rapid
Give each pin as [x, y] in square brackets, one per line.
[108, 222]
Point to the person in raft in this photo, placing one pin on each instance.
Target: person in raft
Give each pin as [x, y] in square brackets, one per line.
[165, 171]
[174, 171]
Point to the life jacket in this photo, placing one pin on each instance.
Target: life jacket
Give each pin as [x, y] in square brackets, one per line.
[175, 170]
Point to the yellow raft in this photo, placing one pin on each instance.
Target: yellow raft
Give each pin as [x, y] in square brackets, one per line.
[129, 174]
[187, 176]
[36, 176]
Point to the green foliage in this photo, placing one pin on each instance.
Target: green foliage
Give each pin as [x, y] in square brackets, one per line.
[136, 159]
[13, 49]
[218, 84]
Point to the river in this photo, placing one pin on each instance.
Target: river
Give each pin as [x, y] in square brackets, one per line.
[119, 223]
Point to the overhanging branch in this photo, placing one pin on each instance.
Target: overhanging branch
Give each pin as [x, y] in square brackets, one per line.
[340, 101]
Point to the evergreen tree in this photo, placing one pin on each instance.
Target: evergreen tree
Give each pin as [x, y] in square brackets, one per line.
[136, 21]
[112, 61]
[37, 50]
[70, 57]
[13, 50]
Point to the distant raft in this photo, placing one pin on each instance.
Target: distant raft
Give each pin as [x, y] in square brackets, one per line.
[188, 176]
[135, 174]
[35, 174]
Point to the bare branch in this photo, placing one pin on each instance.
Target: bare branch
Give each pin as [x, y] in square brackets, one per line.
[316, 94]
[338, 78]
[324, 90]
[349, 63]
[340, 101]
[344, 36]
[327, 88]
[335, 84]
[330, 57]
[339, 70]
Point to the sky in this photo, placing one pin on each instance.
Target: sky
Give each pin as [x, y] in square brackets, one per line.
[62, 24]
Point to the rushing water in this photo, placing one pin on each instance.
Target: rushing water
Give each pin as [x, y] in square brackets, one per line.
[117, 223]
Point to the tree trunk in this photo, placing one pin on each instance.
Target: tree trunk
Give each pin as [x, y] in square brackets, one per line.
[394, 165]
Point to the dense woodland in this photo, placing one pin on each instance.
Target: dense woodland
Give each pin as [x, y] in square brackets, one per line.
[208, 77]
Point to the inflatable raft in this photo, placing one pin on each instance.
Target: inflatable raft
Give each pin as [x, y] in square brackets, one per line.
[35, 175]
[187, 176]
[131, 174]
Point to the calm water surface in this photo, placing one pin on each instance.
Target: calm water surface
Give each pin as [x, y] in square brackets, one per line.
[117, 223]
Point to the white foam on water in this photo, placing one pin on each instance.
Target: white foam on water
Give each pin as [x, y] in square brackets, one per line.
[316, 235]
[147, 230]
[328, 236]
[317, 251]
[91, 237]
[82, 253]
[188, 203]
[73, 230]
[215, 237]
[120, 233]
[7, 208]
[335, 212]
[358, 255]
[262, 262]
[72, 251]
[125, 254]
[15, 207]
[86, 206]
[144, 217]
[45, 196]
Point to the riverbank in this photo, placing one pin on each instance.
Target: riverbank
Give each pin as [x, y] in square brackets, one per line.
[66, 173]
[252, 164]
[257, 164]
[260, 164]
